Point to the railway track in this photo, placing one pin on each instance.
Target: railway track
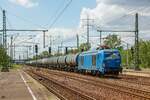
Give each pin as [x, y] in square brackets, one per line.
[134, 92]
[135, 79]
[64, 93]
[146, 72]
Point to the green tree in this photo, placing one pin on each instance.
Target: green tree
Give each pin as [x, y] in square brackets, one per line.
[144, 53]
[125, 56]
[73, 51]
[44, 54]
[4, 58]
[84, 47]
[112, 41]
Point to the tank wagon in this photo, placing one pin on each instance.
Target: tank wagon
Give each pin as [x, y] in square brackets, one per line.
[105, 61]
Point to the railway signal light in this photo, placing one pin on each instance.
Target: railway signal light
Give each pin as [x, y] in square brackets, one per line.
[66, 50]
[36, 48]
[132, 51]
[49, 50]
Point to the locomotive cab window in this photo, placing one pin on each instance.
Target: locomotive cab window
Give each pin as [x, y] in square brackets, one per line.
[111, 55]
[94, 60]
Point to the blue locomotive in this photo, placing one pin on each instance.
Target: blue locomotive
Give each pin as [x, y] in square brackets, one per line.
[102, 62]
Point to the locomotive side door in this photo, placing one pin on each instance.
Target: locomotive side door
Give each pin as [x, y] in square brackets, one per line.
[99, 61]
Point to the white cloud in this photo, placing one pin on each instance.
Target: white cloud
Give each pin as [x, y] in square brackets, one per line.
[25, 3]
[127, 3]
[108, 14]
[105, 14]
[119, 15]
[65, 35]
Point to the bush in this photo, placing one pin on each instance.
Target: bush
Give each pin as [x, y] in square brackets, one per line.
[4, 58]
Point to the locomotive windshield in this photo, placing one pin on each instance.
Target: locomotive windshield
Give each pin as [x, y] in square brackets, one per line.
[111, 55]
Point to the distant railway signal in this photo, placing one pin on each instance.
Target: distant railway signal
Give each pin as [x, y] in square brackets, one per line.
[66, 50]
[132, 52]
[36, 48]
[50, 50]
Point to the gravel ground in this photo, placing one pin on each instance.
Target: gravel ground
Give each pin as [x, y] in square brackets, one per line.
[93, 90]
[144, 72]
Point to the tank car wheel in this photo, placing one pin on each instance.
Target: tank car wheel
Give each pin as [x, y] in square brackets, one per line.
[84, 71]
[76, 70]
[72, 70]
[67, 69]
[116, 73]
[101, 75]
[80, 71]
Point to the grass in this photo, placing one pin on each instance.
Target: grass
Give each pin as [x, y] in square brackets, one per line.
[16, 66]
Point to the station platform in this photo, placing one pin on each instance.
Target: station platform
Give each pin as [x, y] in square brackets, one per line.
[17, 85]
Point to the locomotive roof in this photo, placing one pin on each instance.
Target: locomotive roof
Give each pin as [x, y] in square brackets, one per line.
[96, 51]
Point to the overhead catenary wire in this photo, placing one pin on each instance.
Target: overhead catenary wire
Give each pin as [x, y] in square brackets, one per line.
[25, 19]
[131, 12]
[56, 18]
[59, 15]
[82, 36]
[56, 12]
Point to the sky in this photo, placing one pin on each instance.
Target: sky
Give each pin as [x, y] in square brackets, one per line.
[104, 14]
[43, 12]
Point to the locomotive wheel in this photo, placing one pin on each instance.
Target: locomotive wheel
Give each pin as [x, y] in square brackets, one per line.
[100, 74]
[93, 73]
[76, 70]
[116, 73]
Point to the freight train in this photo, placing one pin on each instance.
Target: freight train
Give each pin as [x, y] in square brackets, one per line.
[102, 62]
